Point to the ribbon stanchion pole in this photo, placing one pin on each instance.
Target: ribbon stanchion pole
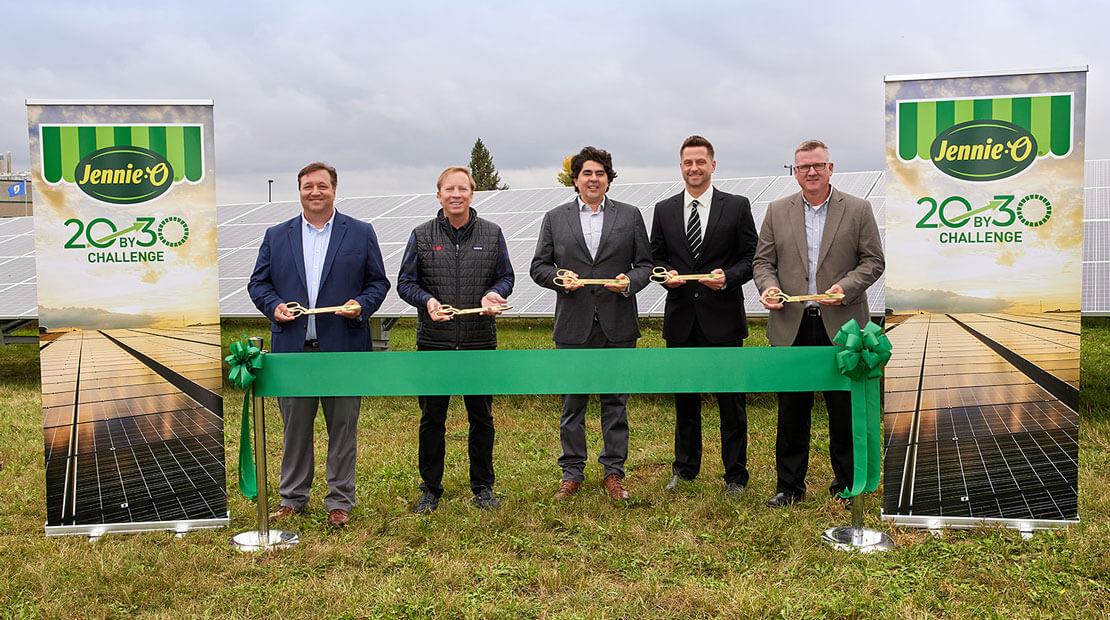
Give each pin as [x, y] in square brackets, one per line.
[262, 538]
[864, 353]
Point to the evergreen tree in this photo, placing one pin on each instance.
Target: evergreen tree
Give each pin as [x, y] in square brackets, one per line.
[483, 170]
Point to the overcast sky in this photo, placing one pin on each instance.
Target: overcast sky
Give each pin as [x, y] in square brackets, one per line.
[390, 93]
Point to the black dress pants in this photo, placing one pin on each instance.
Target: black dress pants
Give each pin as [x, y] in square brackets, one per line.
[433, 443]
[792, 440]
[687, 430]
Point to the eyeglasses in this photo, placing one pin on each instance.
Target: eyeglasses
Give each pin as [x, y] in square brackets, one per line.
[805, 168]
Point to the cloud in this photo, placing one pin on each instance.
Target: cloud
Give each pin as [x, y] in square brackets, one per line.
[378, 92]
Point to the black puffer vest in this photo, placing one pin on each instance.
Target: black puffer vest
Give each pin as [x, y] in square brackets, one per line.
[459, 276]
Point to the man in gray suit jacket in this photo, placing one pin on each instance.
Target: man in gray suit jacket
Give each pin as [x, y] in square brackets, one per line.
[819, 240]
[593, 237]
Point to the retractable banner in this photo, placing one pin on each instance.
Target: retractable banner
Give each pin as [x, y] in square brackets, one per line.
[128, 307]
[984, 230]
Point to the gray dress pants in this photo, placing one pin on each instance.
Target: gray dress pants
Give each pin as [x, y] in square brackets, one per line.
[614, 420]
[297, 462]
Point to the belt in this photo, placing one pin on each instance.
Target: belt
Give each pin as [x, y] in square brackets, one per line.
[813, 311]
[312, 344]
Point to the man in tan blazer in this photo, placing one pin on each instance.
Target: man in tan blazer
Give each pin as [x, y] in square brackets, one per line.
[819, 240]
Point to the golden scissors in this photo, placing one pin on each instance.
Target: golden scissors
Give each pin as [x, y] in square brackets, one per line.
[783, 297]
[564, 277]
[661, 275]
[297, 309]
[452, 311]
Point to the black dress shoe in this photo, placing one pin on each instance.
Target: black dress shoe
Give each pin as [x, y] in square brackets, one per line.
[784, 499]
[427, 503]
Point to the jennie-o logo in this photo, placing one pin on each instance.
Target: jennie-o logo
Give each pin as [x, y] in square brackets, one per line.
[983, 150]
[120, 164]
[124, 175]
[988, 139]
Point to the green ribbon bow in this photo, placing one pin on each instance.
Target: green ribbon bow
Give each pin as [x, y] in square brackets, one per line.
[862, 357]
[244, 361]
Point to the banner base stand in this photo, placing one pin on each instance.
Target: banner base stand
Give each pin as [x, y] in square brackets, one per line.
[862, 539]
[96, 530]
[936, 523]
[271, 540]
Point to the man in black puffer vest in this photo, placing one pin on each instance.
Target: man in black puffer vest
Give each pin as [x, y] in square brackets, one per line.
[461, 260]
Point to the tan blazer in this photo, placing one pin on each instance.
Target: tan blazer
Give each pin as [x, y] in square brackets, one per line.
[851, 255]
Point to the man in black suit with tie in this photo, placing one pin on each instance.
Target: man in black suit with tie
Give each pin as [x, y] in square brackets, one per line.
[593, 237]
[705, 230]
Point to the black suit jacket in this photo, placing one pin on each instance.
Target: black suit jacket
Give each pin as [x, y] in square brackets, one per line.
[623, 249]
[728, 243]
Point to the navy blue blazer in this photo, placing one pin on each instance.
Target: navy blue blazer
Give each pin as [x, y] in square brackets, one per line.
[353, 269]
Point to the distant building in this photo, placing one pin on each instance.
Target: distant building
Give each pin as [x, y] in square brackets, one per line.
[15, 189]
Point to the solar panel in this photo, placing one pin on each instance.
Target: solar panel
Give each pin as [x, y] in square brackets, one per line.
[121, 442]
[519, 213]
[967, 433]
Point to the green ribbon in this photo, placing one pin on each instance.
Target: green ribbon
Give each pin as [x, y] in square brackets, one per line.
[864, 353]
[244, 361]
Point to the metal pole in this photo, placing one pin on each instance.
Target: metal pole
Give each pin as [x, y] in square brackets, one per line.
[262, 502]
[857, 519]
[263, 538]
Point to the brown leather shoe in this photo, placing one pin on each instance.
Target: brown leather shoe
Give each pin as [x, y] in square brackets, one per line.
[284, 512]
[567, 489]
[338, 517]
[614, 488]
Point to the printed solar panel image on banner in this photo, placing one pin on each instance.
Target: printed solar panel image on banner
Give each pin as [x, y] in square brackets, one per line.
[519, 212]
[980, 417]
[127, 440]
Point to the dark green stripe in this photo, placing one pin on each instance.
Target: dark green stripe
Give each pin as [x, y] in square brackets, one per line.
[86, 141]
[907, 131]
[1023, 113]
[1061, 125]
[946, 115]
[193, 159]
[51, 154]
[122, 136]
[984, 109]
[552, 371]
[158, 140]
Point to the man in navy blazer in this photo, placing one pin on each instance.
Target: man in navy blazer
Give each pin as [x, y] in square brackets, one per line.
[318, 259]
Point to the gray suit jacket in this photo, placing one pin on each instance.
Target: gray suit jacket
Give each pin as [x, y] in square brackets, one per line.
[624, 248]
[851, 255]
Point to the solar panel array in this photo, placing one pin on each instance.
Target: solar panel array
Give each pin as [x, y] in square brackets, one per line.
[123, 444]
[968, 434]
[519, 212]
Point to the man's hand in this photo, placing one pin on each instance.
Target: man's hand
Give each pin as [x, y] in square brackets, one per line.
[673, 283]
[833, 290]
[769, 299]
[282, 314]
[490, 303]
[350, 314]
[619, 288]
[433, 311]
[717, 283]
[570, 281]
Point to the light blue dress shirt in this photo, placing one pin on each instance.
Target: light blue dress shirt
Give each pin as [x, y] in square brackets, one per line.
[815, 229]
[315, 244]
[592, 224]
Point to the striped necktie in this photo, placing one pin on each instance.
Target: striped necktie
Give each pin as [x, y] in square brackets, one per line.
[693, 231]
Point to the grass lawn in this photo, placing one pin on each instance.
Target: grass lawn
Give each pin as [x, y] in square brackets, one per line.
[694, 554]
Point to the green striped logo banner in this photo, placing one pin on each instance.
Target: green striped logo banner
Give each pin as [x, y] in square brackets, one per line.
[65, 145]
[1048, 117]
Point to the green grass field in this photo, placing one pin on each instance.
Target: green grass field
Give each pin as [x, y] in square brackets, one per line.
[694, 554]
